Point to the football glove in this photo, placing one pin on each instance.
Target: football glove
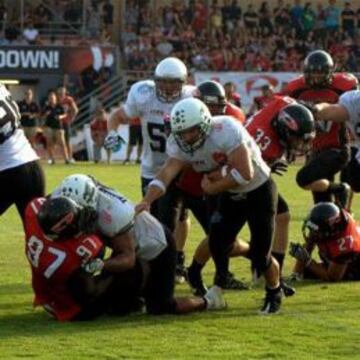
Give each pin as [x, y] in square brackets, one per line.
[93, 266]
[279, 167]
[299, 252]
[113, 141]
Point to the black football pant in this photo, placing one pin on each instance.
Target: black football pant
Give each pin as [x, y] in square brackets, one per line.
[258, 209]
[21, 184]
[323, 164]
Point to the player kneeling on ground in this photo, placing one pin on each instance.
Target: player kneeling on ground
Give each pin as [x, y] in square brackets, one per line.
[60, 255]
[133, 239]
[337, 236]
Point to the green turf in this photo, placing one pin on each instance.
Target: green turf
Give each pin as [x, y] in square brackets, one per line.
[320, 322]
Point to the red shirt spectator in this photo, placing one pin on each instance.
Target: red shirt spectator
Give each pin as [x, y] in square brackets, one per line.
[99, 127]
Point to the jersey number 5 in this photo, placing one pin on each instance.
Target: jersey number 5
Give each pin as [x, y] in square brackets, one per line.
[157, 137]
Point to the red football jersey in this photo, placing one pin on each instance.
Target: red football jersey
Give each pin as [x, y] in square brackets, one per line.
[52, 263]
[328, 137]
[235, 111]
[190, 180]
[344, 245]
[260, 128]
[262, 101]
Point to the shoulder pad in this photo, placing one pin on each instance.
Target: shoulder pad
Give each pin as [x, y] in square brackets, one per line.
[345, 81]
[294, 86]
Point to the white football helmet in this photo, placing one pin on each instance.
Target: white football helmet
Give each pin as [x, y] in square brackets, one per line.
[188, 114]
[170, 76]
[80, 188]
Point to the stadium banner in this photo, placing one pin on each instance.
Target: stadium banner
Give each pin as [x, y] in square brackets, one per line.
[248, 84]
[54, 59]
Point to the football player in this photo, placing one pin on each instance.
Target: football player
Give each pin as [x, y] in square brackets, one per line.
[151, 101]
[346, 112]
[21, 176]
[337, 236]
[221, 148]
[330, 152]
[260, 102]
[283, 129]
[212, 94]
[57, 255]
[133, 240]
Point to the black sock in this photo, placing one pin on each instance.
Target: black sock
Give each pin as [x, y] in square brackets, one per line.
[196, 266]
[336, 188]
[273, 291]
[279, 258]
[180, 258]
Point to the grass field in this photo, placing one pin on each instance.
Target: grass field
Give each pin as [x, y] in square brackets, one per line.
[321, 322]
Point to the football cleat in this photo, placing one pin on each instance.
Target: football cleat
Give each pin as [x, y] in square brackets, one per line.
[214, 299]
[272, 302]
[231, 283]
[195, 281]
[295, 277]
[180, 274]
[287, 289]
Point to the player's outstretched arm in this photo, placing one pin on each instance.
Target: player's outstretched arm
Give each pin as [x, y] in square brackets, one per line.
[331, 112]
[157, 187]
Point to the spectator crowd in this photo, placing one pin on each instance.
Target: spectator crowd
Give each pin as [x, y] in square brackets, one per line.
[229, 36]
[217, 35]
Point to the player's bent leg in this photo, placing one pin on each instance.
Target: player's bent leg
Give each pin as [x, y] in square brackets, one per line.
[181, 232]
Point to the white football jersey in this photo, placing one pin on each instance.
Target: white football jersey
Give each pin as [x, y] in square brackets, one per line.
[142, 102]
[225, 136]
[117, 215]
[16, 150]
[351, 101]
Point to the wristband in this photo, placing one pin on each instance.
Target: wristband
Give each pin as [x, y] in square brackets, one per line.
[238, 178]
[159, 184]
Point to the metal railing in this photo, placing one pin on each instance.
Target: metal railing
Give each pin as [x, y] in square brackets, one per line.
[107, 95]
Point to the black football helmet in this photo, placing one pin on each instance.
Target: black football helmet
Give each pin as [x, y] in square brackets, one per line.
[213, 95]
[295, 126]
[325, 220]
[61, 218]
[318, 69]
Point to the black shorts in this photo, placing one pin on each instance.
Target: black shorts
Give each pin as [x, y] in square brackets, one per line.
[323, 165]
[159, 290]
[21, 184]
[258, 209]
[351, 173]
[135, 135]
[166, 208]
[282, 206]
[202, 208]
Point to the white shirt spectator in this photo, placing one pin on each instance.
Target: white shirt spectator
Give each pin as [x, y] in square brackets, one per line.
[30, 34]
